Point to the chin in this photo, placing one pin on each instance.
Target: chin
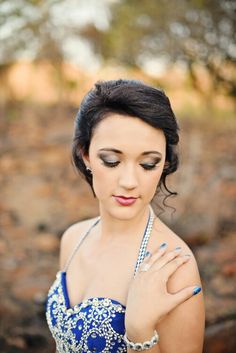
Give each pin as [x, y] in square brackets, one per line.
[121, 212]
[124, 212]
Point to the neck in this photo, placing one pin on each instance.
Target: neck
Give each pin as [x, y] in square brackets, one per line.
[113, 228]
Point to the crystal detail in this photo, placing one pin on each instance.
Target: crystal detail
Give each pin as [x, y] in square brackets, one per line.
[147, 345]
[106, 302]
[70, 311]
[138, 347]
[58, 274]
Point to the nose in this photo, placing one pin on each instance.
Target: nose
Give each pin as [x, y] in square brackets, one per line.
[128, 178]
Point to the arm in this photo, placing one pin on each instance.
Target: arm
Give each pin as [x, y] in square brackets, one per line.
[182, 330]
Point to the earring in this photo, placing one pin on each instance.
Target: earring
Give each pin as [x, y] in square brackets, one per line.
[89, 170]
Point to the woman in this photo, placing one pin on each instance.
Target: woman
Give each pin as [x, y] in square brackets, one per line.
[127, 282]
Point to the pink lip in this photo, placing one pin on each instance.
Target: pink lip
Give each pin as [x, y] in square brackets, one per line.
[126, 198]
[125, 201]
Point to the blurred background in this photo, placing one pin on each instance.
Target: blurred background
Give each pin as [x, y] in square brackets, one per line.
[51, 54]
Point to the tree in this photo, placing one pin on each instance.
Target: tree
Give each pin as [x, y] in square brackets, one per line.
[45, 30]
[195, 32]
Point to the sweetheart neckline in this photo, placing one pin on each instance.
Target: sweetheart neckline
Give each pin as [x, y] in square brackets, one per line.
[66, 295]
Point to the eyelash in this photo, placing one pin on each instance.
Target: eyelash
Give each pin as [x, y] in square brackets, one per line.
[115, 164]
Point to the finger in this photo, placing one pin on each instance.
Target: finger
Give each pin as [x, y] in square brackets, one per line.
[173, 265]
[167, 257]
[151, 258]
[185, 294]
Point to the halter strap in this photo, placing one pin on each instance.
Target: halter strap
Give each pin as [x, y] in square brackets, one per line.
[144, 243]
[79, 243]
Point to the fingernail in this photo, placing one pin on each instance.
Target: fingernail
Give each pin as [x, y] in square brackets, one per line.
[163, 245]
[178, 248]
[197, 290]
[147, 253]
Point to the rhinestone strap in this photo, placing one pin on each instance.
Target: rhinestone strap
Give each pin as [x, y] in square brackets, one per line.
[142, 346]
[146, 237]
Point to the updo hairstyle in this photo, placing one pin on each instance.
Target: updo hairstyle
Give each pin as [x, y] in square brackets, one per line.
[129, 98]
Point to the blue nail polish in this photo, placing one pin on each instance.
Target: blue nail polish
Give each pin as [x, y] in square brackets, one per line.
[197, 290]
[178, 248]
[147, 253]
[163, 245]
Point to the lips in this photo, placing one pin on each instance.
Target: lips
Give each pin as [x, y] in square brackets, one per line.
[126, 198]
[125, 201]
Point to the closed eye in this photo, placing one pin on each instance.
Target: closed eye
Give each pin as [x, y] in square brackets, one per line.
[115, 164]
[148, 166]
[110, 164]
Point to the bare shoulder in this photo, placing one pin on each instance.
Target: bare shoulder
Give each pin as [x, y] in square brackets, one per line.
[71, 237]
[186, 322]
[186, 275]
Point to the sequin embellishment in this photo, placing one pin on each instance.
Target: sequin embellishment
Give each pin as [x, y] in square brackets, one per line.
[94, 325]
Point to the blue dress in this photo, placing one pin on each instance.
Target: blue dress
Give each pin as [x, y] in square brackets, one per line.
[96, 324]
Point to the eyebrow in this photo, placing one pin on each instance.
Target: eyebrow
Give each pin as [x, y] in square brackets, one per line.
[119, 152]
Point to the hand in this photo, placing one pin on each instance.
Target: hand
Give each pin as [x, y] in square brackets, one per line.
[148, 300]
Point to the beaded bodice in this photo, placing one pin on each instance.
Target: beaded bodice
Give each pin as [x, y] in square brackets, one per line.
[96, 324]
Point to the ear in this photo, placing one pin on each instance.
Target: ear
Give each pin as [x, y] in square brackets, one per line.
[86, 159]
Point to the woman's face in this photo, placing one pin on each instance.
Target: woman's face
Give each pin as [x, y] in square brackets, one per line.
[126, 156]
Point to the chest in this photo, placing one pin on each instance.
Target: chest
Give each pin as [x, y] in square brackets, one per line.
[101, 272]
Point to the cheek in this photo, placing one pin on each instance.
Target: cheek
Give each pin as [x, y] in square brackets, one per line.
[103, 179]
[101, 172]
[151, 180]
